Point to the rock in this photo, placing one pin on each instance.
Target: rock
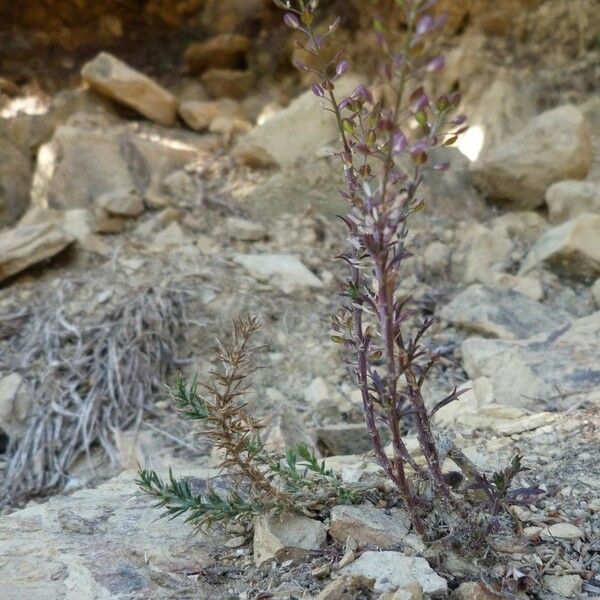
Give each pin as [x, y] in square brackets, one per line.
[244, 230]
[27, 245]
[14, 406]
[528, 286]
[481, 253]
[349, 587]
[326, 401]
[296, 133]
[199, 115]
[225, 16]
[437, 258]
[393, 570]
[228, 83]
[284, 428]
[225, 51]
[411, 591]
[285, 270]
[572, 248]
[111, 77]
[596, 293]
[121, 203]
[286, 537]
[568, 199]
[230, 127]
[502, 313]
[554, 146]
[472, 590]
[527, 372]
[561, 531]
[344, 438]
[480, 393]
[15, 176]
[564, 586]
[184, 188]
[96, 543]
[369, 525]
[86, 160]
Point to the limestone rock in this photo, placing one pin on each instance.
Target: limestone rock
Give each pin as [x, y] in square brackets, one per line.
[554, 146]
[568, 199]
[561, 531]
[228, 83]
[528, 286]
[286, 537]
[326, 401]
[27, 245]
[225, 51]
[502, 313]
[111, 77]
[565, 586]
[298, 132]
[199, 114]
[472, 590]
[525, 372]
[572, 248]
[481, 253]
[96, 543]
[369, 525]
[85, 160]
[347, 588]
[121, 203]
[344, 438]
[244, 230]
[14, 406]
[411, 591]
[286, 270]
[393, 570]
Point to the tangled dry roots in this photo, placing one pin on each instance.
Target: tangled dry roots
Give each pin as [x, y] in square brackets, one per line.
[98, 376]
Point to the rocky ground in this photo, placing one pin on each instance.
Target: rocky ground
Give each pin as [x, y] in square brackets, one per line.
[208, 192]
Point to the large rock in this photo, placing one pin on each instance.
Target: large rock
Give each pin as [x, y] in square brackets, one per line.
[556, 145]
[393, 570]
[572, 248]
[502, 313]
[85, 161]
[568, 199]
[286, 537]
[113, 78]
[24, 246]
[367, 524]
[97, 543]
[298, 132]
[529, 372]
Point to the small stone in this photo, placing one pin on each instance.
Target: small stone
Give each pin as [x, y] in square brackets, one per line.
[14, 407]
[321, 572]
[230, 126]
[326, 401]
[393, 570]
[286, 270]
[561, 531]
[472, 590]
[254, 157]
[572, 248]
[227, 83]
[344, 438]
[348, 588]
[533, 532]
[565, 586]
[111, 77]
[199, 115]
[286, 537]
[567, 199]
[27, 245]
[369, 525]
[244, 230]
[437, 257]
[528, 286]
[121, 203]
[411, 591]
